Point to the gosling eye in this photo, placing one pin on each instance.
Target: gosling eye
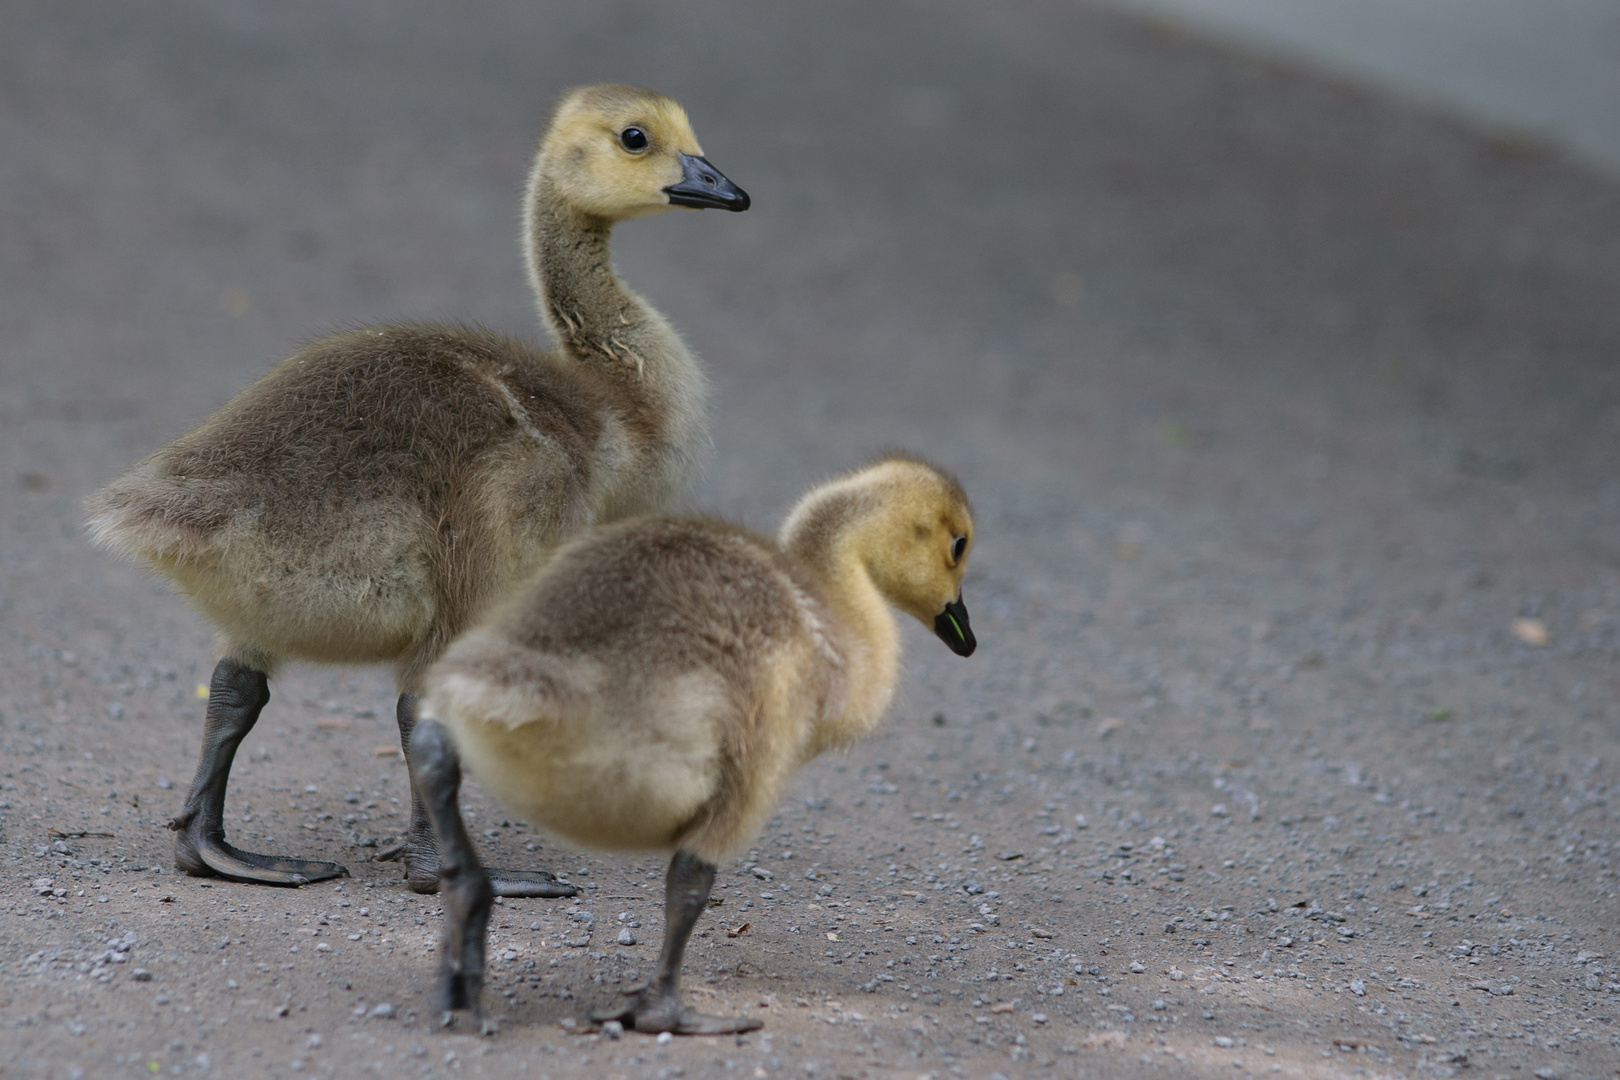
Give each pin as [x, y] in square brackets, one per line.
[958, 549]
[633, 139]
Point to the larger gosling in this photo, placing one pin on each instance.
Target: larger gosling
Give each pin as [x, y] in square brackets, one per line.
[366, 500]
[658, 684]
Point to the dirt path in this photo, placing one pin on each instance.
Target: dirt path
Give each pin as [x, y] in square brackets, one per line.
[1290, 418]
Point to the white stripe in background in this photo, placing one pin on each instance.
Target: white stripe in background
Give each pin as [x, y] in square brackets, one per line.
[1548, 69]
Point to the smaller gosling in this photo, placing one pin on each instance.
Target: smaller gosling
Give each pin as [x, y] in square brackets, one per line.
[658, 684]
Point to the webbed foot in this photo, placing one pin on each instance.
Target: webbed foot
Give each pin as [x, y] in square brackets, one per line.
[419, 851]
[421, 861]
[203, 855]
[653, 1013]
[486, 1026]
[236, 694]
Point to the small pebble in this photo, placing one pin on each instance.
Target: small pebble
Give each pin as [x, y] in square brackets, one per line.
[613, 1029]
[1531, 632]
[626, 937]
[665, 1038]
[141, 975]
[383, 1011]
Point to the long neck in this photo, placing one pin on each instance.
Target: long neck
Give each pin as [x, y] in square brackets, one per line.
[873, 641]
[619, 337]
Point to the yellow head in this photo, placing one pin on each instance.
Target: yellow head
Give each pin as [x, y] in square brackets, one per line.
[619, 152]
[909, 525]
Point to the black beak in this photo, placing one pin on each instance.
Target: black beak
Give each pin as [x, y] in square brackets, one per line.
[952, 627]
[705, 187]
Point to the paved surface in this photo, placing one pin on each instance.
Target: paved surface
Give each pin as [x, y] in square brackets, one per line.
[1542, 69]
[1279, 407]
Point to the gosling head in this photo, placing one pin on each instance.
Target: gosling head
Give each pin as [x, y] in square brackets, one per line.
[909, 524]
[619, 152]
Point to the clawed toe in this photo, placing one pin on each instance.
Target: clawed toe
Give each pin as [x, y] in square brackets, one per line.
[421, 864]
[397, 850]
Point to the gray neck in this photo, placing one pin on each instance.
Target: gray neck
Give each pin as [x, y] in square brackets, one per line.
[581, 298]
[619, 337]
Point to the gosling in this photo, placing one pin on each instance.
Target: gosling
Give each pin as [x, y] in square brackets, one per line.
[365, 501]
[658, 684]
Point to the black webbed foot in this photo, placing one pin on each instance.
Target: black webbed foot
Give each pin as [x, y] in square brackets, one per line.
[420, 853]
[653, 1013]
[202, 855]
[658, 1008]
[236, 695]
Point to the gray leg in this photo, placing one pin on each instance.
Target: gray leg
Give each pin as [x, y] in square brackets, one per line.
[466, 887]
[235, 697]
[658, 1008]
[421, 856]
[417, 850]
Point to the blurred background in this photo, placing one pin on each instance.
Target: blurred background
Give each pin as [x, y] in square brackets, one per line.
[1545, 70]
[1276, 344]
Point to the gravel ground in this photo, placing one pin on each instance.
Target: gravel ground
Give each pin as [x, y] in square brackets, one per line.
[1290, 417]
